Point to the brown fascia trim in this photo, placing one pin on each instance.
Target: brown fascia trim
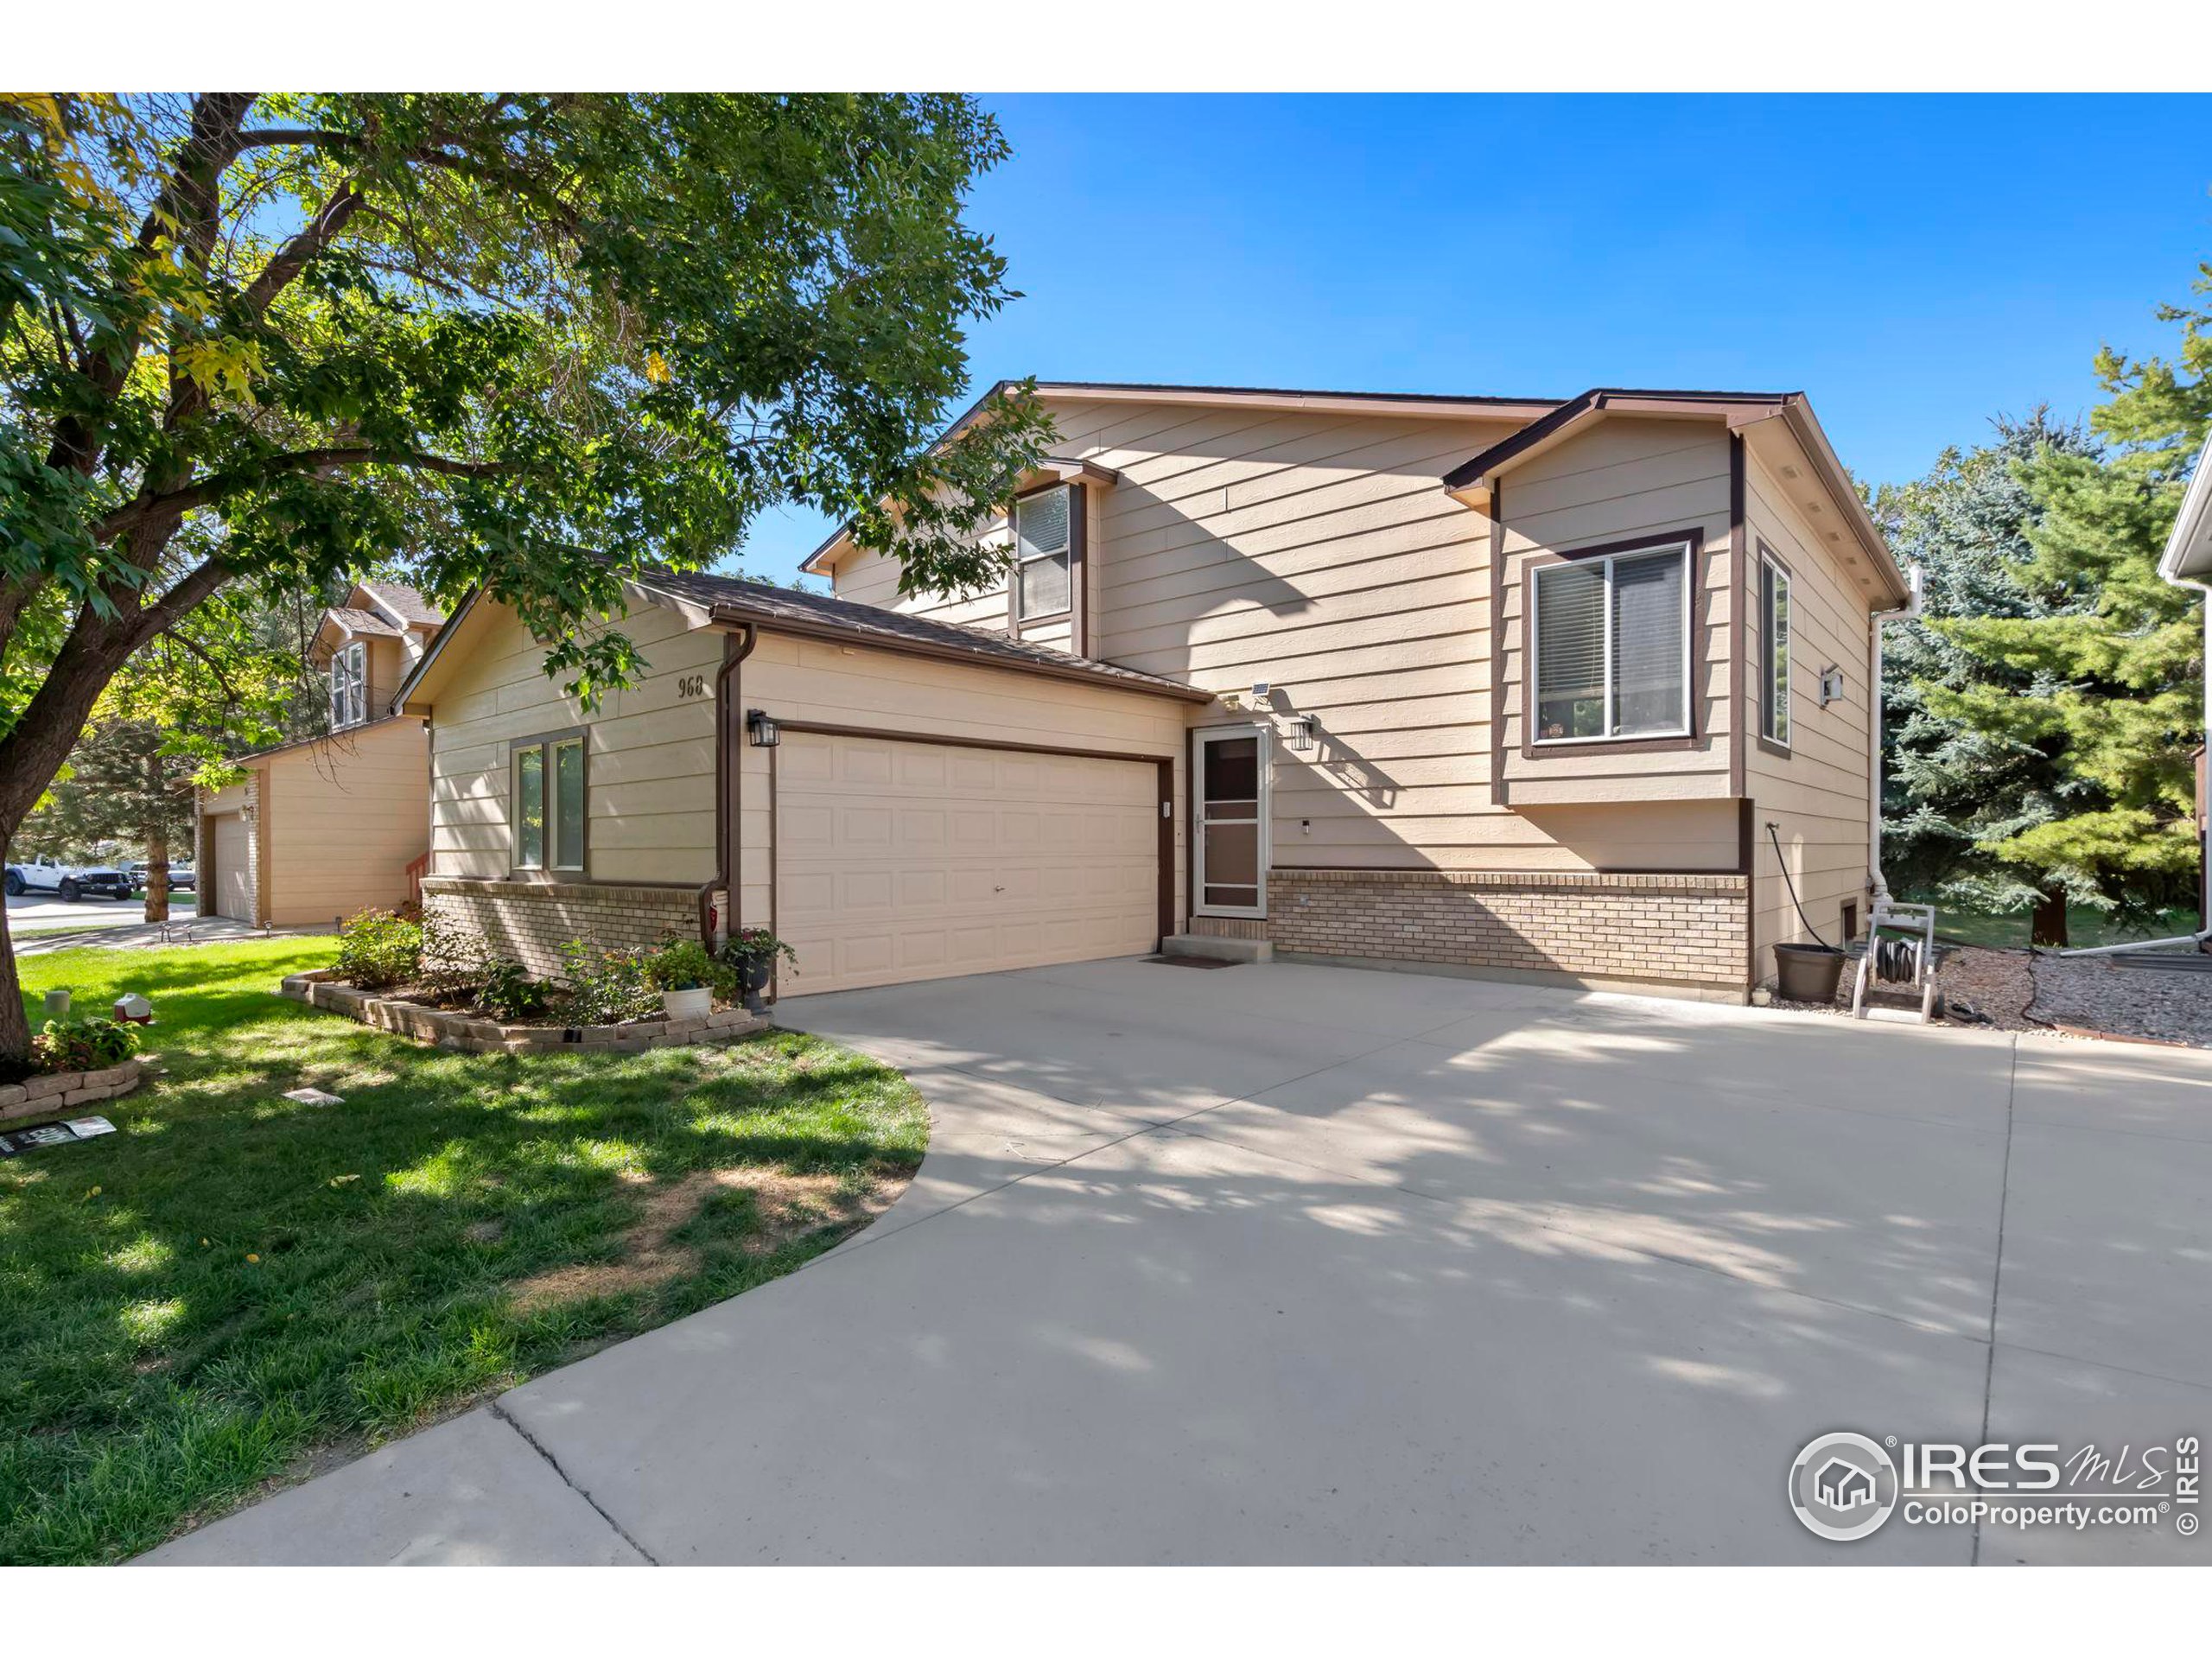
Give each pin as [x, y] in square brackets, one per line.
[1499, 789]
[1627, 399]
[1698, 569]
[730, 616]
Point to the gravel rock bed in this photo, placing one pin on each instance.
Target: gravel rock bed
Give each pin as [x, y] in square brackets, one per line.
[1997, 984]
[2089, 993]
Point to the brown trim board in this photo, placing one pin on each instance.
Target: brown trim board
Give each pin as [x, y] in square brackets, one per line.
[1738, 541]
[1498, 786]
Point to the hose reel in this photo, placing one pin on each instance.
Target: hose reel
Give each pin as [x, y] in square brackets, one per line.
[1900, 951]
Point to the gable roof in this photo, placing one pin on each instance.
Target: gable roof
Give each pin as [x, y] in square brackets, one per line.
[2187, 557]
[732, 601]
[1745, 412]
[358, 621]
[408, 604]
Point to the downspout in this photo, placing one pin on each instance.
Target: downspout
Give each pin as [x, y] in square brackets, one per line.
[728, 787]
[1909, 610]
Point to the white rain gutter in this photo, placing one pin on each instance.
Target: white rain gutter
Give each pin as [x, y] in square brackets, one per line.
[1907, 612]
[2192, 531]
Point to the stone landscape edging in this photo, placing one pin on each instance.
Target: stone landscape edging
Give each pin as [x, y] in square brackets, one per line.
[473, 1033]
[53, 1091]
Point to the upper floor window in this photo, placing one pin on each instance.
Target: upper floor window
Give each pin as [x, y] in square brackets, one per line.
[1612, 645]
[1774, 649]
[1043, 546]
[349, 685]
[548, 820]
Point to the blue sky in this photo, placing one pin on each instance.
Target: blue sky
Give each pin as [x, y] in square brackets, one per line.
[1916, 265]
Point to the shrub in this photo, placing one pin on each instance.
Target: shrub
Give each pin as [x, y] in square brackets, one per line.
[453, 962]
[509, 994]
[91, 1043]
[610, 986]
[377, 948]
[751, 946]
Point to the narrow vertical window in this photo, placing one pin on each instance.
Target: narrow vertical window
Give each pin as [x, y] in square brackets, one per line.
[530, 808]
[1774, 651]
[349, 685]
[568, 805]
[1043, 546]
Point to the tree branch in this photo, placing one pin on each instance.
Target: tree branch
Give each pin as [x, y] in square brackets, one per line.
[218, 487]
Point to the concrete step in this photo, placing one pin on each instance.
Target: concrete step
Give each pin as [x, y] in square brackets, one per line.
[1205, 944]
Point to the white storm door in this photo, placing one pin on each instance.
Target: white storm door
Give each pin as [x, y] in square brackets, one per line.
[1229, 856]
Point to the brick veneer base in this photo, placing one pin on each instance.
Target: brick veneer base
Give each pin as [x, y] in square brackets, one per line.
[476, 1035]
[528, 922]
[54, 1091]
[1683, 932]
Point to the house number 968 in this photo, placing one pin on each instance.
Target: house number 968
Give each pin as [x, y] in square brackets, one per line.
[691, 685]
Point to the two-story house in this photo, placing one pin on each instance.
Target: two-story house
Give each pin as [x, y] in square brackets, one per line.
[1495, 686]
[328, 825]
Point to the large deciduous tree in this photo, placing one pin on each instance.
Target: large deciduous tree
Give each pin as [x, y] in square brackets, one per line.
[2112, 656]
[528, 343]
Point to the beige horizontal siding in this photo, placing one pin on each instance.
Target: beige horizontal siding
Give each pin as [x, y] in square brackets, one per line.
[345, 818]
[1815, 795]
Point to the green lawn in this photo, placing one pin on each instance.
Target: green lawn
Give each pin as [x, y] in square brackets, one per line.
[232, 1283]
[2084, 928]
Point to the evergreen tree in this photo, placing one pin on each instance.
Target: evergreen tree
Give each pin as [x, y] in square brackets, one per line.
[2114, 661]
[1948, 788]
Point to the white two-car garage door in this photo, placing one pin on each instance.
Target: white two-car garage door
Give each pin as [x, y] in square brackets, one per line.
[901, 861]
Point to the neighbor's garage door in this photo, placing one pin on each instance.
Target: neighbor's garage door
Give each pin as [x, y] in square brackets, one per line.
[900, 861]
[234, 893]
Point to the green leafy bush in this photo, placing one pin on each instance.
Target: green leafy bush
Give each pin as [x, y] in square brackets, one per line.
[377, 948]
[91, 1043]
[608, 987]
[684, 965]
[752, 946]
[508, 994]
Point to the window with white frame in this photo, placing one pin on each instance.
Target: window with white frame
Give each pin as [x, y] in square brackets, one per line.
[1043, 547]
[548, 791]
[349, 685]
[1612, 645]
[1774, 649]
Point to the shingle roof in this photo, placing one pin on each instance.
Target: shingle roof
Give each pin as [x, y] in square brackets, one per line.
[404, 601]
[733, 599]
[361, 621]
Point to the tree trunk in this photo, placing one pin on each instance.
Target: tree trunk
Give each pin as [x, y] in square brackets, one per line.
[2049, 926]
[157, 875]
[15, 1022]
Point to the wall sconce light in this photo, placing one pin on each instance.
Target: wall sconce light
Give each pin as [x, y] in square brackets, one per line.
[763, 730]
[1302, 729]
[1831, 685]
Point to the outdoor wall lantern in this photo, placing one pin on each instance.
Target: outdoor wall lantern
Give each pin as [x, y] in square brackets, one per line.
[1301, 732]
[763, 731]
[1831, 685]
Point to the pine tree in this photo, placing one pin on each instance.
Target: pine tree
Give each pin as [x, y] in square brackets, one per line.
[1947, 787]
[2114, 664]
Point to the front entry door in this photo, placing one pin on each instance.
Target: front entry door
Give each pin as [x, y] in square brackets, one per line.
[1230, 876]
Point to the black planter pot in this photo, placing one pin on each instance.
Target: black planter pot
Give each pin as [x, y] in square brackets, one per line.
[752, 979]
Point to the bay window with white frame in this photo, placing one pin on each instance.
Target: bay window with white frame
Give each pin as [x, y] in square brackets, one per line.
[1612, 644]
[546, 787]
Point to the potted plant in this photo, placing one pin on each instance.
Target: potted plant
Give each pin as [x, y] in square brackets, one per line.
[754, 951]
[684, 974]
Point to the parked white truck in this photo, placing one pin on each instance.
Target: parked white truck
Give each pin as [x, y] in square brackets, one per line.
[47, 873]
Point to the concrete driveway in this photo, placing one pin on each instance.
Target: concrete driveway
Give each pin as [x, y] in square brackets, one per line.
[1293, 1264]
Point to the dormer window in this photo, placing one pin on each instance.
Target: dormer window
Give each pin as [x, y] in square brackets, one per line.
[349, 685]
[1043, 546]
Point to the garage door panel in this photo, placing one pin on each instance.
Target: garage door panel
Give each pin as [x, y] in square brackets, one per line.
[902, 861]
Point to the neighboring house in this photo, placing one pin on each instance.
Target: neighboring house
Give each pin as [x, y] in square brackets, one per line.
[1462, 684]
[331, 824]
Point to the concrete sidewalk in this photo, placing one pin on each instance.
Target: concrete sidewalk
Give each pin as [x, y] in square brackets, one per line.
[1297, 1264]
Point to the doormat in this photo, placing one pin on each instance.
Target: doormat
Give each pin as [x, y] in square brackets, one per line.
[53, 1135]
[1191, 961]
